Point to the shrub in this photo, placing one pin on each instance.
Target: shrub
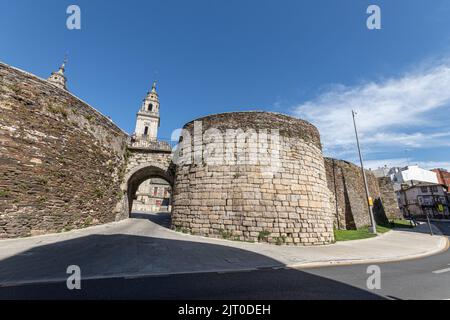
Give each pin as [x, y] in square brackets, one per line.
[58, 110]
[263, 235]
[225, 234]
[4, 193]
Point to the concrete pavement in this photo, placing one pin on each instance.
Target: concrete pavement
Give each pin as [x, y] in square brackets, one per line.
[143, 247]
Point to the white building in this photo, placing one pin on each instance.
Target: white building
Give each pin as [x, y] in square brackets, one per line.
[411, 175]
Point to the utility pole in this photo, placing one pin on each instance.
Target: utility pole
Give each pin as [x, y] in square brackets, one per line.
[373, 227]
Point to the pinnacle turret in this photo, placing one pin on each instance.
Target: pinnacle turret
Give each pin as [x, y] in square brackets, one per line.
[58, 78]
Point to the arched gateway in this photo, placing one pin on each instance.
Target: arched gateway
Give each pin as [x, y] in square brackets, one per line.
[145, 162]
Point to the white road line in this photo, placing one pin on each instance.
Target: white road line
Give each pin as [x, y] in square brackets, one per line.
[441, 271]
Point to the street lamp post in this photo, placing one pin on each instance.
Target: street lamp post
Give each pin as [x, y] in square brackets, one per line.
[373, 227]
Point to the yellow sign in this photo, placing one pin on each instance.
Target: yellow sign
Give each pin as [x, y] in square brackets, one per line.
[440, 208]
[370, 201]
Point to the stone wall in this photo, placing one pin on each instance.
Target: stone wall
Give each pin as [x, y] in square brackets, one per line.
[282, 202]
[389, 198]
[61, 162]
[346, 183]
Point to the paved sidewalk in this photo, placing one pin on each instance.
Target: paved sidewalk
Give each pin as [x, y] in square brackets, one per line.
[138, 247]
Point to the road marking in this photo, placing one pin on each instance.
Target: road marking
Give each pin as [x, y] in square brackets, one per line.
[442, 270]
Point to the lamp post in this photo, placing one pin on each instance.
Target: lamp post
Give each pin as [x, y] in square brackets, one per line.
[373, 227]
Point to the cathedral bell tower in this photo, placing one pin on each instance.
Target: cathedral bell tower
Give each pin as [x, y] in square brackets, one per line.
[147, 120]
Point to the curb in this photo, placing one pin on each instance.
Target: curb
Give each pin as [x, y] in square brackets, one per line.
[304, 265]
[331, 263]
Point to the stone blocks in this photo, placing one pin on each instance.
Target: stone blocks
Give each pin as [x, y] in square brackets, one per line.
[245, 200]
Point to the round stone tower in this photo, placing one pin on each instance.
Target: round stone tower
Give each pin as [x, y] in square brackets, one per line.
[252, 176]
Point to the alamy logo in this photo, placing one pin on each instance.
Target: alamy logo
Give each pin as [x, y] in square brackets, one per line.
[229, 147]
[74, 280]
[374, 280]
[73, 21]
[374, 20]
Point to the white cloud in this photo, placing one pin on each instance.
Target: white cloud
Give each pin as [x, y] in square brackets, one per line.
[401, 162]
[392, 113]
[375, 164]
[434, 164]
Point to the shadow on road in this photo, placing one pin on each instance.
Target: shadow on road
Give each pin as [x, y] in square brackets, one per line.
[109, 255]
[163, 219]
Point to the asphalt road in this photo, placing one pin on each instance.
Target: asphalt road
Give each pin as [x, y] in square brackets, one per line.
[427, 278]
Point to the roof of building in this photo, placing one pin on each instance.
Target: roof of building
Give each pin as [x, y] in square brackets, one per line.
[158, 181]
[425, 184]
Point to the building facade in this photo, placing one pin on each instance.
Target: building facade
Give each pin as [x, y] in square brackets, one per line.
[424, 199]
[153, 195]
[443, 177]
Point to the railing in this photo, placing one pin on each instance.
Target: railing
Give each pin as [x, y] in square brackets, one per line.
[144, 143]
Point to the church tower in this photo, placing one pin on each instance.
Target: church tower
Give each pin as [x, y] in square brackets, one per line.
[147, 121]
[57, 78]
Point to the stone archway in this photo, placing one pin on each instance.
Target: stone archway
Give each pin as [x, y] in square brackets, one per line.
[145, 159]
[140, 174]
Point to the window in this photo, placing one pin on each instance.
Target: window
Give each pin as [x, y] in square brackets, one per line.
[155, 191]
[434, 189]
[146, 131]
[150, 107]
[424, 189]
[420, 200]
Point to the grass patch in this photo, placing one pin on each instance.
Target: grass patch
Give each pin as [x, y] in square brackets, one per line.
[363, 233]
[399, 223]
[347, 235]
[181, 229]
[55, 109]
[383, 229]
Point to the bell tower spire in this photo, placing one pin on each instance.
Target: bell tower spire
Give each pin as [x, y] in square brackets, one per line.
[58, 78]
[147, 120]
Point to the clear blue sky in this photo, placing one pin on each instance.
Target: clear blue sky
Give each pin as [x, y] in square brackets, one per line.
[209, 56]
